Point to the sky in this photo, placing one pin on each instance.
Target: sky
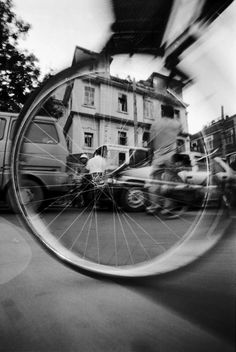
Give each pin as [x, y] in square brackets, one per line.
[59, 25]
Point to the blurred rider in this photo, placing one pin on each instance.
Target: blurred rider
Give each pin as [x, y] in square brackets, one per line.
[163, 143]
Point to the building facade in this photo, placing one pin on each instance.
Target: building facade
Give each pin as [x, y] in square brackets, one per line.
[219, 136]
[103, 109]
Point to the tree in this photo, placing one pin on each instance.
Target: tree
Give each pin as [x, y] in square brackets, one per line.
[19, 73]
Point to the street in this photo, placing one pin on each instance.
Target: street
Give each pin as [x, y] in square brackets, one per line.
[46, 306]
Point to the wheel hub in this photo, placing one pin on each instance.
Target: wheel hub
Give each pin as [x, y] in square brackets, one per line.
[135, 198]
[27, 195]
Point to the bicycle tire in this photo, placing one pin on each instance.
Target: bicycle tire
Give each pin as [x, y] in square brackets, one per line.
[143, 251]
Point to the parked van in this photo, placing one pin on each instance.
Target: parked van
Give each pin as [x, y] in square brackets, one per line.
[43, 160]
[116, 155]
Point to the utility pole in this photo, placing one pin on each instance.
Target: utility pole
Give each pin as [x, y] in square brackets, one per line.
[222, 133]
[135, 114]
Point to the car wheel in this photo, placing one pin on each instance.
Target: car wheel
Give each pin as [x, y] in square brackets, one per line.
[32, 195]
[133, 199]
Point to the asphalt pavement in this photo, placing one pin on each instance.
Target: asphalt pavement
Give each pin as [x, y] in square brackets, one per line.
[46, 306]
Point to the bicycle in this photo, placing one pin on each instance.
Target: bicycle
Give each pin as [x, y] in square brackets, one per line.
[113, 243]
[175, 196]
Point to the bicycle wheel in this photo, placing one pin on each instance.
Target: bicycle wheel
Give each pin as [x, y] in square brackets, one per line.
[91, 239]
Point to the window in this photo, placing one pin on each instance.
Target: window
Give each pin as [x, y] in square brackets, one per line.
[2, 127]
[194, 146]
[45, 133]
[176, 113]
[146, 138]
[148, 108]
[138, 157]
[202, 165]
[89, 94]
[180, 145]
[167, 111]
[215, 167]
[232, 161]
[113, 157]
[39, 132]
[88, 139]
[122, 102]
[209, 142]
[121, 158]
[229, 136]
[102, 151]
[122, 138]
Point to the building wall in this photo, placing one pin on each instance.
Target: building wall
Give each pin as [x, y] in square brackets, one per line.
[220, 135]
[109, 102]
[104, 120]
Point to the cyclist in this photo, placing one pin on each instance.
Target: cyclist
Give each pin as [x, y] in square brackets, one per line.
[163, 143]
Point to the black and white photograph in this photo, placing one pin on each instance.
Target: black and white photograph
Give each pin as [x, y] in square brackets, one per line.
[117, 176]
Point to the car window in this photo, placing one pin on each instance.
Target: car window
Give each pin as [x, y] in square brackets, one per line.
[216, 167]
[182, 160]
[121, 158]
[101, 151]
[232, 162]
[2, 127]
[201, 163]
[39, 132]
[233, 165]
[104, 151]
[138, 157]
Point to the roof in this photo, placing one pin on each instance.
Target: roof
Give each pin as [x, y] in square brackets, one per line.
[144, 87]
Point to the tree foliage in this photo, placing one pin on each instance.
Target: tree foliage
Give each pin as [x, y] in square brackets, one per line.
[19, 73]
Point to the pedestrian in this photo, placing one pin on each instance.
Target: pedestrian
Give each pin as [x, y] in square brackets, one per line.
[83, 160]
[96, 167]
[77, 180]
[163, 143]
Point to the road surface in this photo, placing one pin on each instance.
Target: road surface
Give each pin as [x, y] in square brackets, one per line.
[46, 306]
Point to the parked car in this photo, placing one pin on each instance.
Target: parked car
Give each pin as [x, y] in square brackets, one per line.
[42, 161]
[128, 185]
[117, 155]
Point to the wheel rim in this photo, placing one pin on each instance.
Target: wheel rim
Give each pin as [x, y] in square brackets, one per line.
[135, 198]
[114, 243]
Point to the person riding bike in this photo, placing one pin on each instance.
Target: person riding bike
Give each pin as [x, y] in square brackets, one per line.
[163, 143]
